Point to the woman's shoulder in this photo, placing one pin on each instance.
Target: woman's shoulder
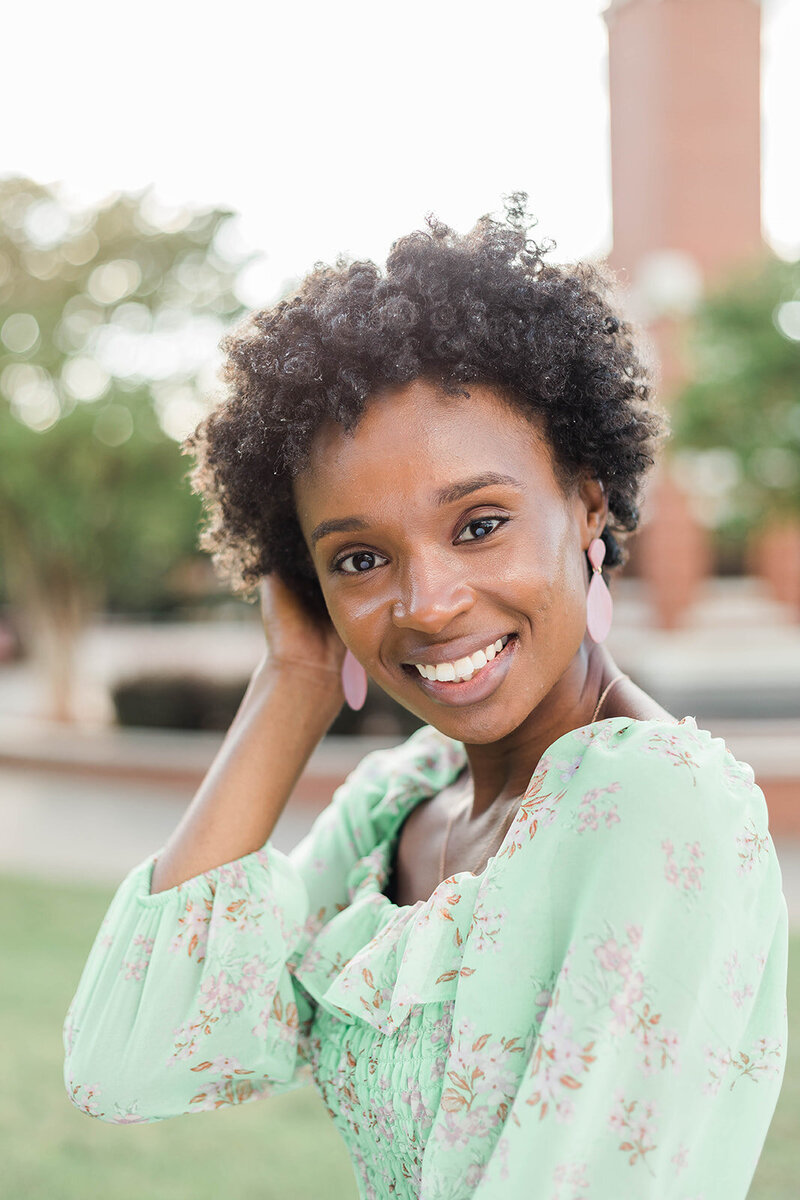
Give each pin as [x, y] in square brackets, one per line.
[651, 766]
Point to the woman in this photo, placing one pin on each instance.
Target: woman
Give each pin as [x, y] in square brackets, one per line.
[540, 948]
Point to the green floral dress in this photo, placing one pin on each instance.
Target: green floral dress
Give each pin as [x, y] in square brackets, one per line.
[601, 1013]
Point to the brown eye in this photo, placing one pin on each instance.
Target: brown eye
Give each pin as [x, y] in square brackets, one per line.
[484, 521]
[363, 561]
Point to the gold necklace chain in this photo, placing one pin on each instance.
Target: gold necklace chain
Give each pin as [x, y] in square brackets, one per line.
[458, 811]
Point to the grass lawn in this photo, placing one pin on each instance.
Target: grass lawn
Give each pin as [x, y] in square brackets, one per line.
[284, 1147]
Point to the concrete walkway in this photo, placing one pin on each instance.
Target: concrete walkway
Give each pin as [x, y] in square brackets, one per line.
[62, 827]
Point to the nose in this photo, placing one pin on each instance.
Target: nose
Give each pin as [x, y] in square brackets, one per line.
[431, 594]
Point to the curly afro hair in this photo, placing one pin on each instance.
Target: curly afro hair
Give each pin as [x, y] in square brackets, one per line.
[483, 308]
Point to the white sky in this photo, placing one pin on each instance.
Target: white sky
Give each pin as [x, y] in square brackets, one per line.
[337, 126]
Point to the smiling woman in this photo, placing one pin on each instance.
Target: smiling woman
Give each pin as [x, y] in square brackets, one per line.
[519, 954]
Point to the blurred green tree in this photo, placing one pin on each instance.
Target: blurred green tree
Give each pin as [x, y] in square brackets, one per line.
[108, 317]
[736, 424]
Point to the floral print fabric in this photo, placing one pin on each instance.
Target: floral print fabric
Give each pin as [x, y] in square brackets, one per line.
[600, 1013]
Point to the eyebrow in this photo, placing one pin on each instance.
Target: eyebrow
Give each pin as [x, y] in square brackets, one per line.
[445, 495]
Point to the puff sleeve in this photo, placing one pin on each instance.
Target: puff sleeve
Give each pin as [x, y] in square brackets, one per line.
[187, 1000]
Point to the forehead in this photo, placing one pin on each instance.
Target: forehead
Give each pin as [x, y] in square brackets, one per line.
[413, 439]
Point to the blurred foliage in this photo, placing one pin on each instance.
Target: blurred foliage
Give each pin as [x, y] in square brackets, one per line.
[115, 517]
[736, 425]
[105, 317]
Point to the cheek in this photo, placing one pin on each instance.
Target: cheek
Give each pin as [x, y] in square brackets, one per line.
[355, 615]
[555, 585]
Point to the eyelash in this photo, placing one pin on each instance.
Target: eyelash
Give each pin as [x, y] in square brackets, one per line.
[337, 564]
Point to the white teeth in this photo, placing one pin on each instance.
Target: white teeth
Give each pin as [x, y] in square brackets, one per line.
[462, 668]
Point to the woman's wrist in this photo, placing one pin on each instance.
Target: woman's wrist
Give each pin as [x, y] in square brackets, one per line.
[316, 678]
[280, 661]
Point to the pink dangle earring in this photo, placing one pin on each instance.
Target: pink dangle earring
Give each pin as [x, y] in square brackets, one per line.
[354, 681]
[599, 604]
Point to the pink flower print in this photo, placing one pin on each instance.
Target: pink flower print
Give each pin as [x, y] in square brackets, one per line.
[542, 1000]
[692, 878]
[84, 1096]
[412, 1096]
[736, 772]
[671, 872]
[381, 1118]
[241, 915]
[656, 1050]
[634, 1121]
[752, 847]
[265, 1018]
[634, 935]
[671, 1041]
[224, 1064]
[232, 874]
[558, 1062]
[592, 813]
[219, 992]
[613, 957]
[185, 1044]
[764, 1058]
[717, 1062]
[251, 977]
[231, 1089]
[680, 1158]
[566, 768]
[670, 746]
[689, 877]
[474, 1174]
[735, 983]
[485, 929]
[572, 1181]
[193, 931]
[461, 1129]
[622, 1003]
[135, 968]
[440, 1030]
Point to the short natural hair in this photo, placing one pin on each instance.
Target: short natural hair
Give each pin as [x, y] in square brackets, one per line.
[483, 307]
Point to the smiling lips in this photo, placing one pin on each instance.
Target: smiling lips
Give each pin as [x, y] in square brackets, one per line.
[463, 668]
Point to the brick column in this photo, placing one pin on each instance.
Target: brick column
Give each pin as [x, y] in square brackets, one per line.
[684, 82]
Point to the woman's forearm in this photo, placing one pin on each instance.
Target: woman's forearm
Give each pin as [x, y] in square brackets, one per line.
[285, 712]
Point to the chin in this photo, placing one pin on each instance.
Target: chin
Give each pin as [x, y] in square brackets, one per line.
[472, 727]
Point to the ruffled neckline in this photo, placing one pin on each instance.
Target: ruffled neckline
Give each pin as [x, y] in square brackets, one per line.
[375, 959]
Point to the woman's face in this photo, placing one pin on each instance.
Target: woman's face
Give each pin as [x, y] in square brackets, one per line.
[438, 528]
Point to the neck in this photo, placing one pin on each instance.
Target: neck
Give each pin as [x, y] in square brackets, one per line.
[499, 772]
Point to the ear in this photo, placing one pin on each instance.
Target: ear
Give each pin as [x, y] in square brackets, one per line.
[592, 509]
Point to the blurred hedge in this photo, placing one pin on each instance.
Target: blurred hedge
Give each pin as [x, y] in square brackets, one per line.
[187, 701]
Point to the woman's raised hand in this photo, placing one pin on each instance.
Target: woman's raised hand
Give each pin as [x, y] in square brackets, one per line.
[294, 637]
[291, 700]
